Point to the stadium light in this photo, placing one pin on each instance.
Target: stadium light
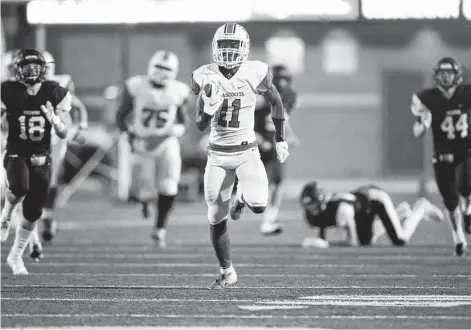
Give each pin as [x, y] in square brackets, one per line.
[467, 9]
[299, 9]
[135, 11]
[411, 9]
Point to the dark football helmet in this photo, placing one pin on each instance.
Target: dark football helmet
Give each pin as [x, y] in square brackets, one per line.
[448, 73]
[30, 66]
[281, 77]
[313, 200]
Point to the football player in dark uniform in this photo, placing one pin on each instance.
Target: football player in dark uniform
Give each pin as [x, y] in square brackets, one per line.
[33, 108]
[356, 211]
[265, 131]
[446, 109]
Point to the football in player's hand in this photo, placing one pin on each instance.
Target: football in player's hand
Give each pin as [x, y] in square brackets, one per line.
[207, 90]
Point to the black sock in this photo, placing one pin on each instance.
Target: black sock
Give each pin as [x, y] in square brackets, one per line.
[164, 205]
[51, 198]
[221, 243]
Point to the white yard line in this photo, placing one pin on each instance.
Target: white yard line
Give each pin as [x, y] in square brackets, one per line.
[347, 287]
[239, 316]
[177, 255]
[392, 276]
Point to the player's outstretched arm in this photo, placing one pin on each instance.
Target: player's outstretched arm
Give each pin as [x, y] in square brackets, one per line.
[59, 117]
[82, 109]
[124, 110]
[202, 118]
[345, 217]
[422, 115]
[278, 117]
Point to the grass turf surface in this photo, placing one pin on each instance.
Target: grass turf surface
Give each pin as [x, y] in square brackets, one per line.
[103, 270]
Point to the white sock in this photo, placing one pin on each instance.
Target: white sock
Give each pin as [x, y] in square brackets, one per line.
[271, 214]
[227, 270]
[47, 213]
[11, 202]
[22, 238]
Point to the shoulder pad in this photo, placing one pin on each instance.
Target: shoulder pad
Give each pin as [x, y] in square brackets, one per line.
[259, 73]
[181, 89]
[198, 77]
[133, 84]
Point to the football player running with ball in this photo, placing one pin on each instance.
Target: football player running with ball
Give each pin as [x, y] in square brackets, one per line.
[446, 109]
[227, 91]
[34, 109]
[158, 103]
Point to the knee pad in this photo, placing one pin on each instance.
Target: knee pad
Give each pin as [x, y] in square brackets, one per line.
[32, 213]
[258, 209]
[168, 187]
[451, 202]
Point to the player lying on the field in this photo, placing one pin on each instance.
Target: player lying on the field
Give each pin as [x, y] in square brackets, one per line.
[158, 104]
[446, 109]
[34, 108]
[356, 211]
[265, 132]
[227, 90]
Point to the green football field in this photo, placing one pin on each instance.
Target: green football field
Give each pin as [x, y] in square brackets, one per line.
[103, 270]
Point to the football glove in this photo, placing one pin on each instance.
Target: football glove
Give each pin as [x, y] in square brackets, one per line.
[212, 97]
[282, 151]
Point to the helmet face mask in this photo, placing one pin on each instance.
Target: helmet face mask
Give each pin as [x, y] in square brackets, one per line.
[30, 67]
[163, 67]
[231, 45]
[448, 73]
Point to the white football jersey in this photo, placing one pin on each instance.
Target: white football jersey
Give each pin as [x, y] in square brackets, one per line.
[233, 124]
[155, 109]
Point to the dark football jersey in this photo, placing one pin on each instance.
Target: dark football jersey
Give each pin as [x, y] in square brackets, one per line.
[450, 118]
[263, 121]
[29, 132]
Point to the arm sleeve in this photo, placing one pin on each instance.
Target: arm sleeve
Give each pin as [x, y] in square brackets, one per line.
[125, 108]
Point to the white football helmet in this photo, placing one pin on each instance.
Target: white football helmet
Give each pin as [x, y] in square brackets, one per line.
[50, 65]
[231, 45]
[163, 67]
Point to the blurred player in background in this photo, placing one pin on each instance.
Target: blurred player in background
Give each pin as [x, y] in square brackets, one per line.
[34, 108]
[265, 132]
[59, 147]
[227, 91]
[158, 104]
[447, 110]
[356, 212]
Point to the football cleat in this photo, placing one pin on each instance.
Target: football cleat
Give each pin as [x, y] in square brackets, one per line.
[237, 208]
[159, 238]
[224, 281]
[17, 266]
[50, 229]
[5, 229]
[271, 228]
[459, 249]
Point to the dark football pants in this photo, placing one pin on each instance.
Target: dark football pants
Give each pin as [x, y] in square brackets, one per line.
[453, 179]
[30, 181]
